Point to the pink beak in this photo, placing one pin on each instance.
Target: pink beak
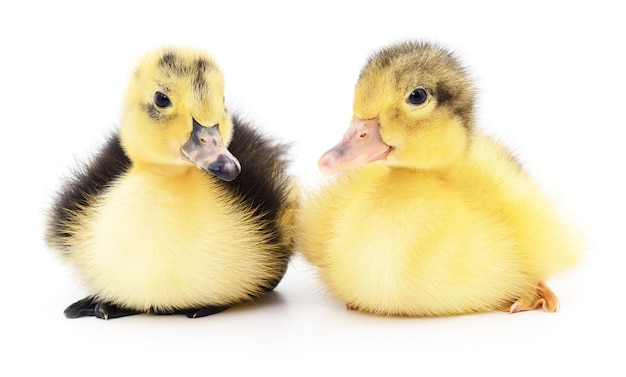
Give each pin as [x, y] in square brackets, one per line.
[360, 145]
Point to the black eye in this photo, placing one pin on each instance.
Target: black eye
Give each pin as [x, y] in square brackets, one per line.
[162, 100]
[417, 97]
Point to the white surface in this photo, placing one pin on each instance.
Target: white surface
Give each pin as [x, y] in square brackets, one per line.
[550, 77]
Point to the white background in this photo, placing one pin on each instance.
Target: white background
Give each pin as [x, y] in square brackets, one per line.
[551, 85]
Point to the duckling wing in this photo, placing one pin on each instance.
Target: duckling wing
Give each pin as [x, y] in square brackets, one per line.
[263, 182]
[264, 187]
[88, 181]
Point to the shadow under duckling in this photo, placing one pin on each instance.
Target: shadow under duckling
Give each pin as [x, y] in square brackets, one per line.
[427, 216]
[186, 210]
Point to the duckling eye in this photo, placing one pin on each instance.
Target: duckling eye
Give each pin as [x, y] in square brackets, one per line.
[417, 97]
[162, 100]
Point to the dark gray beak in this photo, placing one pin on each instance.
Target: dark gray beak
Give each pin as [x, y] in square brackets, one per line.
[206, 150]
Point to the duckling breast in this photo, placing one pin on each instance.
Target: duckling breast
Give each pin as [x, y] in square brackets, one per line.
[410, 245]
[157, 242]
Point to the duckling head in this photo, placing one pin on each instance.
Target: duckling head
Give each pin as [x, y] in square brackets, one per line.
[174, 114]
[413, 108]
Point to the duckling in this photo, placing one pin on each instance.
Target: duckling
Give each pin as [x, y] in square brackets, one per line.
[185, 210]
[425, 215]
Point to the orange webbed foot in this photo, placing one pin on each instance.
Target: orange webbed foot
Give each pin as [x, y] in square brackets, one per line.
[544, 298]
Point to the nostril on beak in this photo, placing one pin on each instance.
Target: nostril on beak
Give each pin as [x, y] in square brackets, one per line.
[364, 134]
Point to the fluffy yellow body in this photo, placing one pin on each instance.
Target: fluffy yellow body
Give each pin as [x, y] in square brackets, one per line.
[170, 241]
[477, 236]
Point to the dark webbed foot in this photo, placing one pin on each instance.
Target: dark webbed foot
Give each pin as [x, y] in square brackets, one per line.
[82, 308]
[91, 307]
[203, 312]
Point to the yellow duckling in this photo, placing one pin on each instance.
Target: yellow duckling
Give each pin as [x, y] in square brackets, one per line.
[427, 216]
[187, 211]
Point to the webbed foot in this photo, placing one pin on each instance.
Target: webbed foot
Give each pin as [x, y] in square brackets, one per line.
[544, 298]
[91, 307]
[203, 312]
